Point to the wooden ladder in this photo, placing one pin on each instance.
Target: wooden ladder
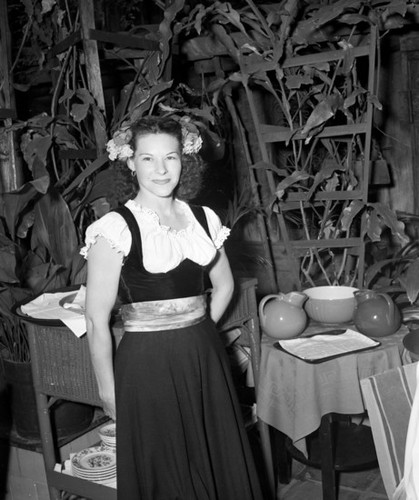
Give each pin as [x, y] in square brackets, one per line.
[297, 248]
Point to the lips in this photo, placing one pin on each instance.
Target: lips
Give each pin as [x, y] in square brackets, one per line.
[161, 182]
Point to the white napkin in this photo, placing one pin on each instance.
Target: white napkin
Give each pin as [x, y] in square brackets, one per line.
[47, 306]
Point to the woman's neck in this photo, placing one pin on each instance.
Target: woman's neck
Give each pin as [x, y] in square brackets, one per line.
[159, 205]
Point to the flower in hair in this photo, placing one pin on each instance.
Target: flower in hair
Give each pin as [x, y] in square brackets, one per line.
[192, 141]
[118, 147]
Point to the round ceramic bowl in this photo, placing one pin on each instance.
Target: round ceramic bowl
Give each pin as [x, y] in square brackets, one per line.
[411, 344]
[330, 304]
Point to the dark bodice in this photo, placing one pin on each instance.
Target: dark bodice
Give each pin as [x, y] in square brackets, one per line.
[138, 285]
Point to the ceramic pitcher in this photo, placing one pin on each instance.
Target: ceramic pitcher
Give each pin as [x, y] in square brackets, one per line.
[282, 315]
[376, 315]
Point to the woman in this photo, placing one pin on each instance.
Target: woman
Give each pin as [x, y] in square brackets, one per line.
[180, 433]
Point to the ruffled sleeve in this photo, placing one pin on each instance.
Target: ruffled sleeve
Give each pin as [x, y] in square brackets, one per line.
[114, 229]
[219, 233]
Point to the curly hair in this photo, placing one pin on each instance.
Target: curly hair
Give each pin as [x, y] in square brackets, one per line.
[193, 166]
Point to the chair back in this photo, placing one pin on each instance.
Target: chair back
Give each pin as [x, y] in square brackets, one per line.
[388, 398]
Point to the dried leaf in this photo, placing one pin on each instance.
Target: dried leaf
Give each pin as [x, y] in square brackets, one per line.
[389, 218]
[8, 264]
[294, 178]
[325, 110]
[79, 111]
[295, 81]
[54, 228]
[411, 283]
[14, 203]
[373, 226]
[352, 98]
[350, 212]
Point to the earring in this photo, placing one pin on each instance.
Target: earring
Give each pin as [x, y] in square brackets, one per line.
[133, 173]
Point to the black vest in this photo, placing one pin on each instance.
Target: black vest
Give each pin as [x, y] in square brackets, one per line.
[136, 284]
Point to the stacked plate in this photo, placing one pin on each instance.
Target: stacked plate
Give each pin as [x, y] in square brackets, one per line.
[96, 464]
[107, 434]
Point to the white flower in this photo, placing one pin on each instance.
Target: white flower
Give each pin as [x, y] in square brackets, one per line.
[47, 5]
[118, 151]
[192, 142]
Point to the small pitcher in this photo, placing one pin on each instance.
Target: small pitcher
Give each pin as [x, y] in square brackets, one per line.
[376, 315]
[282, 316]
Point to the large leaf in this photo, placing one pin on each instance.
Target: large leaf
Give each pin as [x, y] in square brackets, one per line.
[141, 109]
[38, 148]
[8, 262]
[91, 169]
[79, 111]
[292, 179]
[103, 184]
[411, 281]
[13, 204]
[263, 165]
[373, 270]
[45, 277]
[373, 226]
[165, 28]
[349, 213]
[54, 228]
[9, 296]
[41, 178]
[325, 110]
[327, 170]
[295, 81]
[389, 218]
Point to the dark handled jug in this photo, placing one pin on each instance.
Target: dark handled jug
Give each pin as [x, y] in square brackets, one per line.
[376, 314]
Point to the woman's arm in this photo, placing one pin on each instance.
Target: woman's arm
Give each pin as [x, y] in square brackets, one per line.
[222, 285]
[103, 270]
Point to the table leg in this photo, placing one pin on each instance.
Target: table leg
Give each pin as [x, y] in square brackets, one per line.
[282, 456]
[327, 447]
[264, 433]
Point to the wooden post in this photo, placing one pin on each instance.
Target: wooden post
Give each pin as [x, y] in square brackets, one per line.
[10, 163]
[87, 18]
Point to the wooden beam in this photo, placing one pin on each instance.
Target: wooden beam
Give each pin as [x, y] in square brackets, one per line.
[124, 40]
[294, 200]
[275, 133]
[66, 43]
[87, 19]
[7, 113]
[335, 243]
[77, 154]
[322, 57]
[11, 175]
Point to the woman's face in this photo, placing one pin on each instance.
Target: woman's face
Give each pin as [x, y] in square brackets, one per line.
[157, 163]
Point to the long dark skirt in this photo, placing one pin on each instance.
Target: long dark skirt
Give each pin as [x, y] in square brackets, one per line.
[180, 433]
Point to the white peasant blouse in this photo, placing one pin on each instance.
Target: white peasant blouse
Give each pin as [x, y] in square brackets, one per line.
[163, 248]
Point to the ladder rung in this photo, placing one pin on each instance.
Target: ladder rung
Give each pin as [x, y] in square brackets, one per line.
[7, 113]
[77, 154]
[124, 40]
[276, 133]
[66, 43]
[332, 55]
[331, 243]
[294, 199]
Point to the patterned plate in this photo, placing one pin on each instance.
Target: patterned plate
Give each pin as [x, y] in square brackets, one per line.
[108, 431]
[97, 459]
[94, 476]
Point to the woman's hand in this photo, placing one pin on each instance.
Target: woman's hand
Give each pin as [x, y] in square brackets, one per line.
[108, 405]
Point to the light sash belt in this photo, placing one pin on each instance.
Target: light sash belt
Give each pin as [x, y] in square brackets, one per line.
[163, 314]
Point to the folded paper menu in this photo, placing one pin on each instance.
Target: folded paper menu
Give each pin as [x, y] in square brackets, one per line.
[323, 346]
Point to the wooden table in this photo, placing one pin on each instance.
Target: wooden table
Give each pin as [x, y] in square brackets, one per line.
[298, 398]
